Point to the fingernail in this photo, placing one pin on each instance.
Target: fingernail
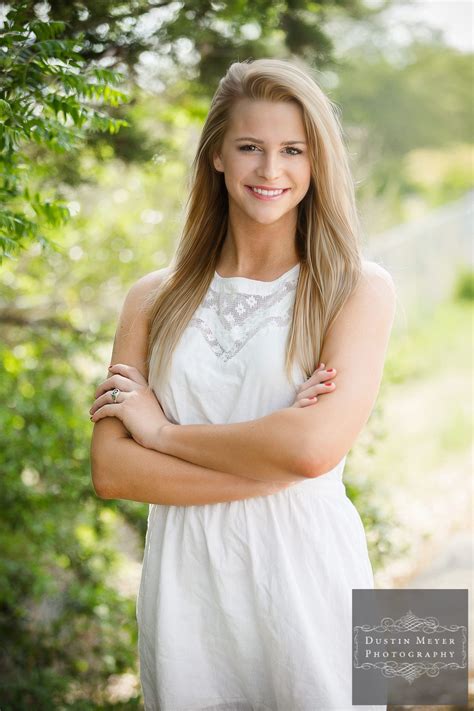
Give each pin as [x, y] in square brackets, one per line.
[328, 385]
[329, 370]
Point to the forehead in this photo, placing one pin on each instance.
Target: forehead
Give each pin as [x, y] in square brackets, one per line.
[267, 118]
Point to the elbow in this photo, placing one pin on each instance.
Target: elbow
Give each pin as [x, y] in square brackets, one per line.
[307, 466]
[309, 469]
[100, 489]
[99, 484]
[106, 457]
[303, 462]
[99, 478]
[312, 464]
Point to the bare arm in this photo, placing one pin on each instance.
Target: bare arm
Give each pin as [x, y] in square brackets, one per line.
[356, 345]
[123, 469]
[140, 474]
[291, 444]
[269, 448]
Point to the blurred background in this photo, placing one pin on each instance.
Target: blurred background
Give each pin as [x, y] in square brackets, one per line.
[101, 106]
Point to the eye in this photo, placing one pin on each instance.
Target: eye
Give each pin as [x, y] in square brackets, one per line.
[297, 151]
[252, 145]
[244, 148]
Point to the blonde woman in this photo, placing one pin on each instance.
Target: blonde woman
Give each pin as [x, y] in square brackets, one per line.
[218, 412]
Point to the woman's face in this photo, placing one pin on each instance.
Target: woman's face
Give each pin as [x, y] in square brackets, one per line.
[256, 153]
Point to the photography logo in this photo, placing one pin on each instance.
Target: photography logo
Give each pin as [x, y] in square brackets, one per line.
[418, 656]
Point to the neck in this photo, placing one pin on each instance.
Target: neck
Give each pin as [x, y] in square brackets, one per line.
[250, 247]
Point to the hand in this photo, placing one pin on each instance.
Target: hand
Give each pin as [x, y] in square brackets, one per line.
[137, 405]
[314, 386]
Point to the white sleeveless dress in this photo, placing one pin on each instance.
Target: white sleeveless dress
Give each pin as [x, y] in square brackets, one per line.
[247, 605]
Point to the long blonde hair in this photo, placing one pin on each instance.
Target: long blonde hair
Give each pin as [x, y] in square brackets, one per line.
[327, 232]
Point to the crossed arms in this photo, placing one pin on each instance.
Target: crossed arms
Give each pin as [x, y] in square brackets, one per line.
[200, 464]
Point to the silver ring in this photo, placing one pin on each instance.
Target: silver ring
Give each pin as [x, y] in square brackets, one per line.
[115, 392]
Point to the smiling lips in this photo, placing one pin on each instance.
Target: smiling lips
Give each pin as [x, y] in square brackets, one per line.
[265, 193]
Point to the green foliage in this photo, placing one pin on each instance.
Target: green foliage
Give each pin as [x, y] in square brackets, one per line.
[379, 519]
[438, 175]
[379, 523]
[406, 142]
[430, 343]
[51, 98]
[64, 629]
[197, 39]
[464, 287]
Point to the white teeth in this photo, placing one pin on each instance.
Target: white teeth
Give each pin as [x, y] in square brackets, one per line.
[270, 193]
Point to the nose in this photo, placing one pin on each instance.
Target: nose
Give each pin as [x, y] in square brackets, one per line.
[269, 167]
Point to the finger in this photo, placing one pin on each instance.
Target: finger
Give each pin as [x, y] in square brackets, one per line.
[115, 381]
[304, 402]
[318, 389]
[106, 399]
[107, 411]
[320, 367]
[317, 377]
[129, 371]
[309, 401]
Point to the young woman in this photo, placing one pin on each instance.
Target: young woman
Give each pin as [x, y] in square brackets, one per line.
[211, 414]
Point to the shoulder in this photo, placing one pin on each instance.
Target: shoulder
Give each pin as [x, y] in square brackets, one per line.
[149, 282]
[374, 276]
[143, 291]
[371, 302]
[375, 290]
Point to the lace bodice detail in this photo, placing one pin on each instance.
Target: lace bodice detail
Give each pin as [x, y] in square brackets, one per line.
[229, 364]
[238, 308]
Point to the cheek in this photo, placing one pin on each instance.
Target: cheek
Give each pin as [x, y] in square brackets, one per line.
[303, 170]
[236, 176]
[241, 169]
[303, 178]
[230, 184]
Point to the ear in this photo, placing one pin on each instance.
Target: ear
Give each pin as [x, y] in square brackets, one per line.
[216, 159]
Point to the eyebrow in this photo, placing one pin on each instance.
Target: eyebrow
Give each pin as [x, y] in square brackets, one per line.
[256, 140]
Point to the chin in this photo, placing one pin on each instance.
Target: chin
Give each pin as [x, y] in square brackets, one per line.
[269, 220]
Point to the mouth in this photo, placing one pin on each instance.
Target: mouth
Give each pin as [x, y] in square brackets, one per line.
[267, 195]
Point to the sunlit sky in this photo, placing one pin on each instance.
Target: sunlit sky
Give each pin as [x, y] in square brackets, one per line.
[454, 17]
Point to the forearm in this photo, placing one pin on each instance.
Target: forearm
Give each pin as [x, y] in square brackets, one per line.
[270, 448]
[129, 471]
